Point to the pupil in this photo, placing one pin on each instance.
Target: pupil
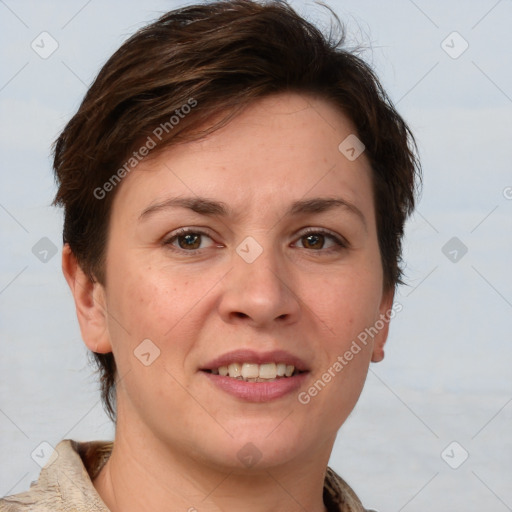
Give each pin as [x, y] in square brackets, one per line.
[316, 239]
[189, 241]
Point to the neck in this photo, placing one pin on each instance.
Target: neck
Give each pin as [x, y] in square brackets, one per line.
[144, 474]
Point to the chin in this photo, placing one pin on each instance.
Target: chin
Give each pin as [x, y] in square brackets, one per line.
[258, 447]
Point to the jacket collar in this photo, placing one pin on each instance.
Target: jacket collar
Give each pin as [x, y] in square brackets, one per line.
[65, 483]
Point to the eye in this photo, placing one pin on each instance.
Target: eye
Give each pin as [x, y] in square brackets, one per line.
[187, 240]
[315, 239]
[190, 240]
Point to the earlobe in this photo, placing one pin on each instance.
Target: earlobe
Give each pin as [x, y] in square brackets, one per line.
[90, 304]
[383, 324]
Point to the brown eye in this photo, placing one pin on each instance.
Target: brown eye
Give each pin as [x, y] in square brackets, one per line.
[315, 240]
[187, 240]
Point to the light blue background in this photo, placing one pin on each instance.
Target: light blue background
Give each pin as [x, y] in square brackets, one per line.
[446, 376]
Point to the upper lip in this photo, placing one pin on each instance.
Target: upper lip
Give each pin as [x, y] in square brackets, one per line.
[250, 356]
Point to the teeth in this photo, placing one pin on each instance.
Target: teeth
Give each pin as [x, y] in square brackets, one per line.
[250, 371]
[235, 370]
[268, 371]
[255, 372]
[281, 369]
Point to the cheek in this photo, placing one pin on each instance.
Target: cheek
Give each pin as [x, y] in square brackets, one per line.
[158, 301]
[346, 307]
[148, 304]
[347, 303]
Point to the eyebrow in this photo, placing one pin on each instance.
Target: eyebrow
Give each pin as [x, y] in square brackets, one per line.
[209, 207]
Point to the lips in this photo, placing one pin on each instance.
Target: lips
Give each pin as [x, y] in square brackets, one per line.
[256, 376]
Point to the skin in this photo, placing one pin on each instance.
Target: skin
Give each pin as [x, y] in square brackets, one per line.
[177, 435]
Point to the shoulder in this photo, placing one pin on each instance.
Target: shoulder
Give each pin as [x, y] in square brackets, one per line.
[33, 500]
[339, 496]
[64, 483]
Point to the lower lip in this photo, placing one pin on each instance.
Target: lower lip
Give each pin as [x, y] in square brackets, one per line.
[258, 391]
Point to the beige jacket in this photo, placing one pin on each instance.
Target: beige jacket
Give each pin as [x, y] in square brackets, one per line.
[65, 483]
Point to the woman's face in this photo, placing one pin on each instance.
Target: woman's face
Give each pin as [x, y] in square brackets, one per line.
[268, 271]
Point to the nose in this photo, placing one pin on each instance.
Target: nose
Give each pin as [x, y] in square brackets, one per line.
[260, 292]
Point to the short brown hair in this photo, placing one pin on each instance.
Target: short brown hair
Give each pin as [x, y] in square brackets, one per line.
[220, 57]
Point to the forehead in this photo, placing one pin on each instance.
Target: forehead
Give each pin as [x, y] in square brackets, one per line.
[280, 149]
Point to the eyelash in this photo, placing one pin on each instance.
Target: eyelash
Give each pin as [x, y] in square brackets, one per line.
[341, 243]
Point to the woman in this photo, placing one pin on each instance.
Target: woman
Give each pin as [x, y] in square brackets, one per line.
[235, 187]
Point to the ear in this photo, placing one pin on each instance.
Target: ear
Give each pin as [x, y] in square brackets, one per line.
[90, 304]
[384, 316]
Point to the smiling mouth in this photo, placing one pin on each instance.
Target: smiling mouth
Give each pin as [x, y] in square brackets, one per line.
[252, 372]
